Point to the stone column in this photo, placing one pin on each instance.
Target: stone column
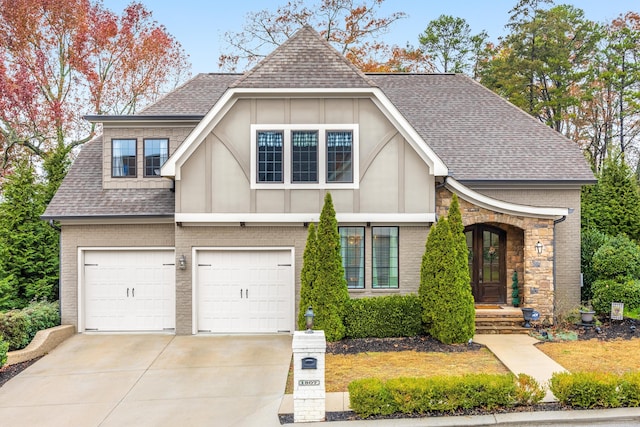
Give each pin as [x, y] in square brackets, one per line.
[308, 376]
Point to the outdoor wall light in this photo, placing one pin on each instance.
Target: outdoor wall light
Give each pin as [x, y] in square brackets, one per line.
[308, 315]
[182, 262]
[539, 248]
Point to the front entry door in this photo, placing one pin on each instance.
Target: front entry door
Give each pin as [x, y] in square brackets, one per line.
[487, 255]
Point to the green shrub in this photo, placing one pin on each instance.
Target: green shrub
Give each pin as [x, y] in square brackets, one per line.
[436, 394]
[586, 389]
[617, 258]
[591, 241]
[369, 396]
[20, 326]
[4, 347]
[384, 316]
[630, 389]
[528, 390]
[607, 291]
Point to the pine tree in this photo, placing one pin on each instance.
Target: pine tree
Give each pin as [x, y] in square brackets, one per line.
[28, 245]
[330, 286]
[308, 276]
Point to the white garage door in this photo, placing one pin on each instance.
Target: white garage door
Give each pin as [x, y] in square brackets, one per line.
[244, 291]
[129, 290]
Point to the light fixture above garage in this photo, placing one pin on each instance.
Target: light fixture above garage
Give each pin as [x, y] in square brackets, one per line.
[539, 247]
[182, 262]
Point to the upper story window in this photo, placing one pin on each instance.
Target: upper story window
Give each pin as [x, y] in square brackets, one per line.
[304, 156]
[156, 152]
[123, 158]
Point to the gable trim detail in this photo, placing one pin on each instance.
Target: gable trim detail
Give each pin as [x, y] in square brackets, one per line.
[171, 168]
[496, 205]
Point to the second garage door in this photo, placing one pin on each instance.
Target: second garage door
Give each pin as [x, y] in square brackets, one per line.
[244, 291]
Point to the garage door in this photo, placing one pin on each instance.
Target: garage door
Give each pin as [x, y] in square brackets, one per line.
[247, 291]
[129, 290]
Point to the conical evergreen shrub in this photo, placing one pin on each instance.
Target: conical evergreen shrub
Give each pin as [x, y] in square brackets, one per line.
[308, 276]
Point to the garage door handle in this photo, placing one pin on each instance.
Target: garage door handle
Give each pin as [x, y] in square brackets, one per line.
[246, 293]
[240, 293]
[127, 292]
[133, 292]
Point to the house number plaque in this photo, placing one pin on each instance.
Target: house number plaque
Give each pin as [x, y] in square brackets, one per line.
[303, 383]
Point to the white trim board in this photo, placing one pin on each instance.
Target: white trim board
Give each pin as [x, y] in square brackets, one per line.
[298, 218]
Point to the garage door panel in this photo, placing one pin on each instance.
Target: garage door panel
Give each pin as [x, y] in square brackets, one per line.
[244, 291]
[129, 290]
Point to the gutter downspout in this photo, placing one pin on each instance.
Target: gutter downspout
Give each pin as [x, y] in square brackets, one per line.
[555, 222]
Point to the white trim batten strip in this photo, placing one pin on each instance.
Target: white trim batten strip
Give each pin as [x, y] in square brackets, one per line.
[284, 218]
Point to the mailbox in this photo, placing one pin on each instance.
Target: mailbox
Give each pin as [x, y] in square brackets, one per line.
[309, 363]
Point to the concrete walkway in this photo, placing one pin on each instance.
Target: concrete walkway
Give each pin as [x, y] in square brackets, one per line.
[518, 353]
[152, 380]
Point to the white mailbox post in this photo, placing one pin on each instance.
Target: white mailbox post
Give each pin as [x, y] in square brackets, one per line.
[308, 376]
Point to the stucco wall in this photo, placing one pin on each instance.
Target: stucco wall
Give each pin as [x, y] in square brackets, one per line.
[217, 177]
[99, 236]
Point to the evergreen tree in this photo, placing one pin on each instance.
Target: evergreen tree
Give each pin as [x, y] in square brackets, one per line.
[308, 276]
[330, 286]
[445, 291]
[612, 206]
[28, 246]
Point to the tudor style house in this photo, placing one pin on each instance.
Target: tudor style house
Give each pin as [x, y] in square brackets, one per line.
[191, 216]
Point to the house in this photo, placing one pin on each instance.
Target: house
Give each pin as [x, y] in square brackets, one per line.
[192, 215]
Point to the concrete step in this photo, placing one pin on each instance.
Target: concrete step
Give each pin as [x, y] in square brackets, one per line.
[501, 329]
[500, 321]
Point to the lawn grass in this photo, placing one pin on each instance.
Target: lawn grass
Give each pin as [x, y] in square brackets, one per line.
[342, 369]
[616, 356]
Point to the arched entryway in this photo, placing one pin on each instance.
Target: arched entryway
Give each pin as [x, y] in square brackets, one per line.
[487, 263]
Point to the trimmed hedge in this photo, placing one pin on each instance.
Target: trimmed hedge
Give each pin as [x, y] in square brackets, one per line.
[18, 327]
[372, 396]
[607, 291]
[596, 389]
[383, 317]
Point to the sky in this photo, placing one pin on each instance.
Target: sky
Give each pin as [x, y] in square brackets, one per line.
[200, 24]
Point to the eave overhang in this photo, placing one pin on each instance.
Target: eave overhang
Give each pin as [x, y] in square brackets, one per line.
[496, 205]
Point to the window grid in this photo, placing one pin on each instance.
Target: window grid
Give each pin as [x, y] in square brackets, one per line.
[123, 158]
[385, 257]
[352, 250]
[156, 152]
[339, 155]
[304, 162]
[270, 147]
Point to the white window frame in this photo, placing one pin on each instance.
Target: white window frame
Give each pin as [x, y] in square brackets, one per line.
[322, 156]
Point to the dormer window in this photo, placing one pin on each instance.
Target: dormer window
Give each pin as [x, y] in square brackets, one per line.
[304, 156]
[123, 158]
[156, 152]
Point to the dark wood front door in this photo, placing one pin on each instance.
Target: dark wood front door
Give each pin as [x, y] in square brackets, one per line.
[487, 257]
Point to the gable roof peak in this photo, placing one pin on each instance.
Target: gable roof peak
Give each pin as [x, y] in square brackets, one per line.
[305, 60]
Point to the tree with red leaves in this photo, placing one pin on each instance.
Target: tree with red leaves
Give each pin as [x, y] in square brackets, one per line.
[63, 59]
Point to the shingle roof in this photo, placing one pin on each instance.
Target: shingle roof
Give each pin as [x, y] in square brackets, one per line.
[306, 60]
[81, 193]
[195, 97]
[479, 135]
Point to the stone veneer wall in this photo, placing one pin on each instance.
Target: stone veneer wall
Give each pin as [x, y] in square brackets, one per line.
[536, 280]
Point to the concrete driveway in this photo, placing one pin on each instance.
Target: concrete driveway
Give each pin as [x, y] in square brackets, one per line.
[152, 380]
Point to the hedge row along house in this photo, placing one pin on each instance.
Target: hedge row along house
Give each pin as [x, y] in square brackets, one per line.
[192, 215]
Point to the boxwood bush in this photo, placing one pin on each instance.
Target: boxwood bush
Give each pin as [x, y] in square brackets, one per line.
[372, 396]
[4, 347]
[18, 327]
[630, 389]
[586, 389]
[607, 291]
[384, 316]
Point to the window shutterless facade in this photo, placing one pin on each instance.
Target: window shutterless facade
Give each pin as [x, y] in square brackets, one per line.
[385, 248]
[156, 152]
[123, 158]
[352, 251]
[304, 156]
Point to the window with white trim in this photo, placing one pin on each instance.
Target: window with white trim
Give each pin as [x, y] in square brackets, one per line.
[304, 156]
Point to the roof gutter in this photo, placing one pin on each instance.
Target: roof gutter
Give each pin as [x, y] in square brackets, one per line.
[142, 118]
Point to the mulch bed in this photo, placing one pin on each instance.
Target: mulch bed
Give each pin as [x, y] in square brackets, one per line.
[9, 371]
